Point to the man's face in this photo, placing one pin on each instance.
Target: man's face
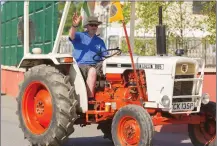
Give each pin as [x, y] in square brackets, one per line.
[92, 28]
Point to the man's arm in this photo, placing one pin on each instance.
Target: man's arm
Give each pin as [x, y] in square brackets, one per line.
[103, 48]
[72, 32]
[75, 22]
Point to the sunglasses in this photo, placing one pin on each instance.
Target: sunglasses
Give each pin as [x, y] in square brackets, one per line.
[93, 25]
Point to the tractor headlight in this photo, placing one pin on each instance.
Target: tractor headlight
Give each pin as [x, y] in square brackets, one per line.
[165, 101]
[205, 98]
[66, 60]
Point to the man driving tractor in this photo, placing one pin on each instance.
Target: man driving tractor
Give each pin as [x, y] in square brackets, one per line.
[86, 45]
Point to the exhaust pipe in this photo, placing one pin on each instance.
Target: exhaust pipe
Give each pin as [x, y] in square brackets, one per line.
[161, 35]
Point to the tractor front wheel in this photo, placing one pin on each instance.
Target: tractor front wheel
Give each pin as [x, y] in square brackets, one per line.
[46, 106]
[204, 134]
[132, 126]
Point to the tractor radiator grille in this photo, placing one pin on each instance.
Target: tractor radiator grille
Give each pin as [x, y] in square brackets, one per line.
[182, 100]
[183, 87]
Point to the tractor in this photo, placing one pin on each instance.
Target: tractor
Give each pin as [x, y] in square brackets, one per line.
[133, 95]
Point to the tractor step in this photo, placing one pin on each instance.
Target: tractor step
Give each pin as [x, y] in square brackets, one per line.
[96, 116]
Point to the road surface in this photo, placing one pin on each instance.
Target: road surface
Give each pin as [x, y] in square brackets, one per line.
[11, 135]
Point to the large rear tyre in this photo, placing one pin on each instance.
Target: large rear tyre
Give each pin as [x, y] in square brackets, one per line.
[46, 106]
[204, 134]
[132, 126]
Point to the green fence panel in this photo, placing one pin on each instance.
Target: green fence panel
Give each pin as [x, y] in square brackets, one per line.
[20, 6]
[2, 55]
[13, 55]
[48, 3]
[47, 48]
[9, 11]
[3, 17]
[19, 53]
[14, 23]
[31, 7]
[7, 55]
[13, 10]
[54, 22]
[39, 25]
[3, 34]
[48, 21]
[7, 32]
[44, 15]
[39, 5]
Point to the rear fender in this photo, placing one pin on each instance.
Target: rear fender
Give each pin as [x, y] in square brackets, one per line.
[37, 59]
[76, 77]
[78, 82]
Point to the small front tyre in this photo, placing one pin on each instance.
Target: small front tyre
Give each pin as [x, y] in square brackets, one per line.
[132, 126]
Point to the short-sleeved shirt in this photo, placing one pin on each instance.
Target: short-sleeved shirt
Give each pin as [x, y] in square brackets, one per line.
[85, 47]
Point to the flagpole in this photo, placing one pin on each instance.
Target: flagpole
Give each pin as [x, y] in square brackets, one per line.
[132, 24]
[141, 93]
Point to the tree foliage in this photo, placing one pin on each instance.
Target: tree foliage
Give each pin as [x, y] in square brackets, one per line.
[126, 12]
[210, 21]
[74, 7]
[178, 24]
[147, 12]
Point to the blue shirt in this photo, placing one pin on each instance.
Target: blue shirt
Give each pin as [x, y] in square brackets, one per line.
[86, 47]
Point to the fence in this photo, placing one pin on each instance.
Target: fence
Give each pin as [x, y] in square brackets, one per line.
[44, 16]
[194, 47]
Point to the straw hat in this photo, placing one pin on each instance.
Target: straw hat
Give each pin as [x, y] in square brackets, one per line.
[92, 20]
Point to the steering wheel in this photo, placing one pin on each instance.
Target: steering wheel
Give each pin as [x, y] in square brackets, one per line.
[100, 54]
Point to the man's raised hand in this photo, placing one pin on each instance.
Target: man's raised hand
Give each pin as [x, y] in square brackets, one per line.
[76, 19]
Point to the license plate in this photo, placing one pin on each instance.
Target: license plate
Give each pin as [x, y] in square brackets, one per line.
[180, 106]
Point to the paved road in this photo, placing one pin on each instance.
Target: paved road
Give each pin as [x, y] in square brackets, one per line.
[11, 135]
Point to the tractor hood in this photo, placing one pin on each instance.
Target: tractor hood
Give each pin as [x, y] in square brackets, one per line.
[155, 64]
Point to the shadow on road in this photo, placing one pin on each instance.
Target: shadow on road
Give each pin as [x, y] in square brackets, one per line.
[160, 139]
[171, 139]
[89, 141]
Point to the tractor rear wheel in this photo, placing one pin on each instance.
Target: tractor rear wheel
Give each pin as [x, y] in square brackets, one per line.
[132, 126]
[46, 106]
[204, 134]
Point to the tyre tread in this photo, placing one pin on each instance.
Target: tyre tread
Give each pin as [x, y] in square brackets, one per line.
[64, 100]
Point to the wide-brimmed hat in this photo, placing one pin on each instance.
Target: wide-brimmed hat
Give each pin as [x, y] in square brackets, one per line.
[92, 20]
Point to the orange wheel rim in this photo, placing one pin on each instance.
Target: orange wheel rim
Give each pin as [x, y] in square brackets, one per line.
[37, 108]
[129, 131]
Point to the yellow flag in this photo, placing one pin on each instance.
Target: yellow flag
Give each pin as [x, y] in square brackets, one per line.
[116, 12]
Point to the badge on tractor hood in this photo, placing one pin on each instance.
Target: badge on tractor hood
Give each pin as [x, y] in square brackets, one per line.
[184, 68]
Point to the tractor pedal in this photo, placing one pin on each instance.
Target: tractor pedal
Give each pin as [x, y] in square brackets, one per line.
[91, 103]
[91, 106]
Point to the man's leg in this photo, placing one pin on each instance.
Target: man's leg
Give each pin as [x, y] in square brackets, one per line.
[91, 82]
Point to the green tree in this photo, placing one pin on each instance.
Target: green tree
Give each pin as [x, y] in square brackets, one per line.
[210, 21]
[126, 12]
[74, 7]
[180, 20]
[147, 14]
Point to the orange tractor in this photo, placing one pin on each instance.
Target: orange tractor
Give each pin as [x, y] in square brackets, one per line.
[131, 97]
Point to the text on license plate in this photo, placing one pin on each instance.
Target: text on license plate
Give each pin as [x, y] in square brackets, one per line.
[183, 106]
